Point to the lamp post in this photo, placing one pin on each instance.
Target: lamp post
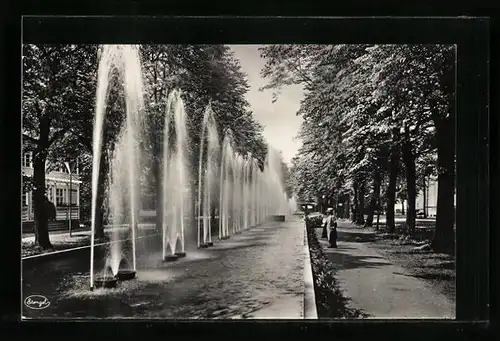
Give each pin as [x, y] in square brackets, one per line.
[70, 192]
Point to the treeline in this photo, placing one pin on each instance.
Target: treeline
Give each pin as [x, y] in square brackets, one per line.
[59, 88]
[379, 121]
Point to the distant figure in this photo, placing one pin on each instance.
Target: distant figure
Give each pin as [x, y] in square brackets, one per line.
[331, 226]
[324, 223]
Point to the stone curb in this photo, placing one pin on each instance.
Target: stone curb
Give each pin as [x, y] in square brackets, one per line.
[310, 311]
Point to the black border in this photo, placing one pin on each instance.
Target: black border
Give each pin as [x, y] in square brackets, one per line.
[472, 39]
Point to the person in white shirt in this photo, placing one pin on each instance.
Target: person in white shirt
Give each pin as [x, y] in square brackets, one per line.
[331, 225]
[324, 232]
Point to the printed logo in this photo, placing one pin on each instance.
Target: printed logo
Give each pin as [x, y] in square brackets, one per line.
[36, 302]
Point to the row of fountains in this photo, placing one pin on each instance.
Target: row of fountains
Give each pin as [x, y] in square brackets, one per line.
[234, 191]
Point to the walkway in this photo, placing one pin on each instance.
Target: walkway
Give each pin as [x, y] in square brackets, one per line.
[256, 274]
[378, 287]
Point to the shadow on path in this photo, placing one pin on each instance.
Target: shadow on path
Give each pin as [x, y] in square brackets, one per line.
[344, 261]
[382, 289]
[432, 277]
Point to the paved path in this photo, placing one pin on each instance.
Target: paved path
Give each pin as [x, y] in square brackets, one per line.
[380, 288]
[258, 273]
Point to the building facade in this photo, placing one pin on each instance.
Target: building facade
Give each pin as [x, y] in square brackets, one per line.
[63, 190]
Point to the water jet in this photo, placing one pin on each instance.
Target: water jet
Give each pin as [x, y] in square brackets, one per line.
[125, 164]
[175, 177]
[235, 190]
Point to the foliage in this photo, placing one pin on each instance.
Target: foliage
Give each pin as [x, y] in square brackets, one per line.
[361, 103]
[205, 74]
[314, 221]
[57, 90]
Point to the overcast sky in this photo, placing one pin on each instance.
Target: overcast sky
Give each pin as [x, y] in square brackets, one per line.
[281, 124]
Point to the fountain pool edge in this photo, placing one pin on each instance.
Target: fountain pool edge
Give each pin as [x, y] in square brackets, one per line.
[310, 310]
[53, 255]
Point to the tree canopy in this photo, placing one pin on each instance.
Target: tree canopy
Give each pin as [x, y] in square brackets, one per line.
[367, 109]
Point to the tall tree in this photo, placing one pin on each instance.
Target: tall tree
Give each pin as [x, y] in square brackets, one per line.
[368, 110]
[53, 95]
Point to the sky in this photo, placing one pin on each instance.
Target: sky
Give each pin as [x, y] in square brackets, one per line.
[281, 124]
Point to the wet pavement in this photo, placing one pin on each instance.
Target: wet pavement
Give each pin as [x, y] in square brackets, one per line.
[257, 271]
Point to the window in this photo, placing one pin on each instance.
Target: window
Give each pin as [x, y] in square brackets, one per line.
[25, 199]
[74, 197]
[50, 194]
[59, 196]
[28, 159]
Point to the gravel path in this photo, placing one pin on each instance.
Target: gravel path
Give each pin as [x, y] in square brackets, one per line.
[379, 287]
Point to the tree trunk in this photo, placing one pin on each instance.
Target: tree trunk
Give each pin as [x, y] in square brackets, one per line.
[41, 219]
[411, 188]
[378, 213]
[355, 204]
[101, 193]
[360, 217]
[347, 207]
[158, 192]
[391, 189]
[425, 197]
[214, 223]
[444, 236]
[191, 234]
[374, 198]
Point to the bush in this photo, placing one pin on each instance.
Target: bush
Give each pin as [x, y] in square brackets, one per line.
[314, 221]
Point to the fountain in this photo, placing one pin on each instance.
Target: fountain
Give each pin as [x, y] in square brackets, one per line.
[124, 59]
[236, 195]
[225, 186]
[248, 195]
[292, 205]
[254, 192]
[277, 199]
[176, 178]
[207, 178]
[118, 190]
[246, 191]
[107, 280]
